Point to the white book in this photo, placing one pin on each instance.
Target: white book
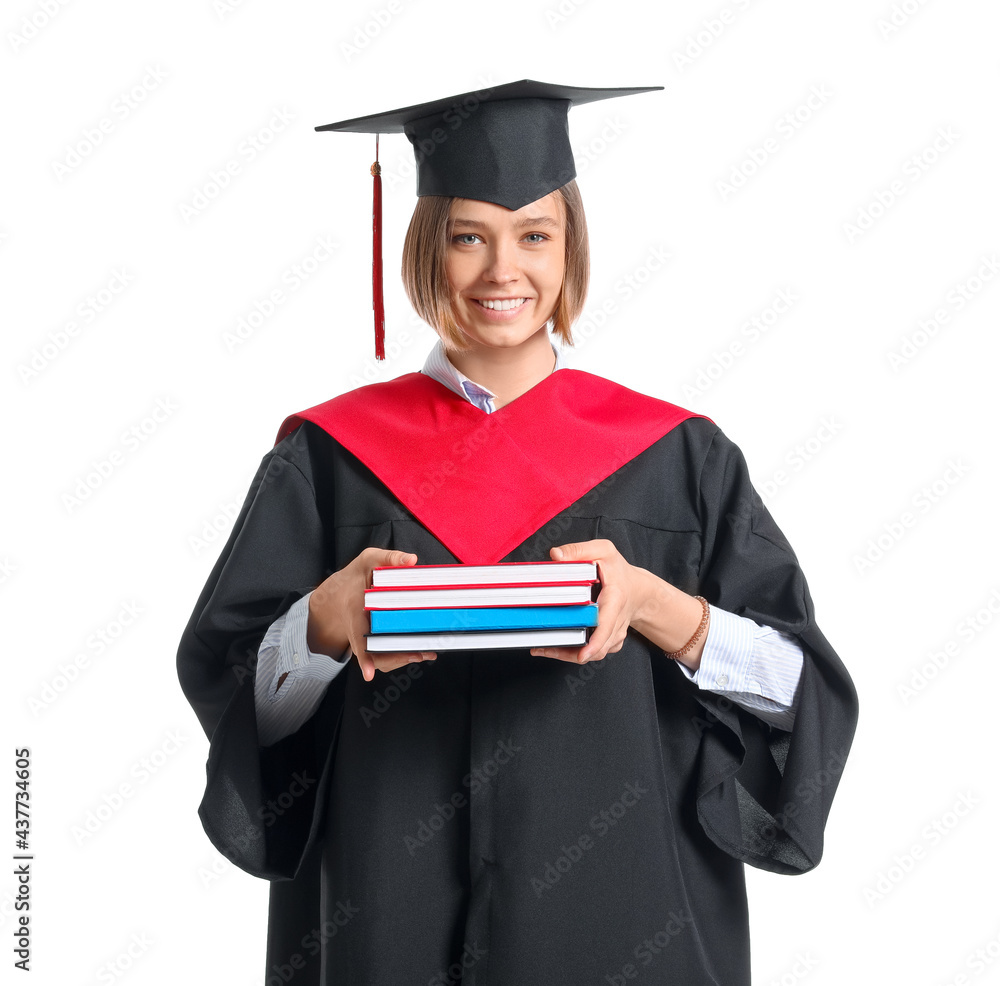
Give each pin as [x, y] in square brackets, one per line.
[465, 597]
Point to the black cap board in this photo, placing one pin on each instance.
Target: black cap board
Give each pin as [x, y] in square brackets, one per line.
[507, 144]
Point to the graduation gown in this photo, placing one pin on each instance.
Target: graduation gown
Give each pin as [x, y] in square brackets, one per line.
[494, 818]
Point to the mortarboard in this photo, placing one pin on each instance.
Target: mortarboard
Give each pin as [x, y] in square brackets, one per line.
[506, 144]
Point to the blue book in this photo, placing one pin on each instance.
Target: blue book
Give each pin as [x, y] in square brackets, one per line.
[483, 618]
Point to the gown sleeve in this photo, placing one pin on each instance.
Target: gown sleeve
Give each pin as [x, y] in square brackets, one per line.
[261, 805]
[764, 794]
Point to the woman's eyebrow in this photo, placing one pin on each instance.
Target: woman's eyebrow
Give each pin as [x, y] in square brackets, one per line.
[539, 221]
[527, 221]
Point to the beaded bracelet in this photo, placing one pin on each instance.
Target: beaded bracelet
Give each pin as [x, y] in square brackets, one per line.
[686, 649]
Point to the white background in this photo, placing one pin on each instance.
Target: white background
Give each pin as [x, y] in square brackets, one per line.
[875, 437]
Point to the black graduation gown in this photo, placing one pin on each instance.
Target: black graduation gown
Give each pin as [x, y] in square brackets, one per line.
[493, 817]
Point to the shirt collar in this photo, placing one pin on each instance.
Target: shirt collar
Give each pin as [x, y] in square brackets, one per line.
[440, 368]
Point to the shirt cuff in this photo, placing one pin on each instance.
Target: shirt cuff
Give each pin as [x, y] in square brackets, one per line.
[294, 656]
[726, 659]
[755, 666]
[282, 711]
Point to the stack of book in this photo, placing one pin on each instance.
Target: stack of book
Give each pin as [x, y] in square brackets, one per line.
[481, 607]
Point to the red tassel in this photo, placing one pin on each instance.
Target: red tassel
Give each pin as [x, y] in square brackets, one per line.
[378, 305]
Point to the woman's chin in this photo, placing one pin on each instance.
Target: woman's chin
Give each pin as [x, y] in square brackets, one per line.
[508, 335]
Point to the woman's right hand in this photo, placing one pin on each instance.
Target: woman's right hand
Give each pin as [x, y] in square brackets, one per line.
[337, 618]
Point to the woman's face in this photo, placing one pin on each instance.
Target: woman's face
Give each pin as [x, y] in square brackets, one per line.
[505, 268]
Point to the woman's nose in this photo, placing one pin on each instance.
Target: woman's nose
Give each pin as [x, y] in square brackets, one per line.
[502, 267]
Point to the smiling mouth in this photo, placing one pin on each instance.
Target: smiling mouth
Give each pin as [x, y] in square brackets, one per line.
[500, 304]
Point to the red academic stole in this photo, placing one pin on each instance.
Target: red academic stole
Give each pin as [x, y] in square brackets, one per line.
[482, 483]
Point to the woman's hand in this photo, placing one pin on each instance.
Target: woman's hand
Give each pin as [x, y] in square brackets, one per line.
[630, 596]
[337, 618]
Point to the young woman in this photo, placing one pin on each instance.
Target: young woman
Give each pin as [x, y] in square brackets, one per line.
[559, 815]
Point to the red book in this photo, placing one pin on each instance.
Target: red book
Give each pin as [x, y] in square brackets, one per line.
[474, 596]
[504, 573]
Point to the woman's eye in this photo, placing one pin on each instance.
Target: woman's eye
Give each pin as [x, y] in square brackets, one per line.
[535, 237]
[466, 239]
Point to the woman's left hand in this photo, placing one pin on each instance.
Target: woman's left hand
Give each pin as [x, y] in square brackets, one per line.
[624, 588]
[631, 596]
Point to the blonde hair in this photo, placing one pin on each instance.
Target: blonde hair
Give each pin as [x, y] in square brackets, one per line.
[426, 282]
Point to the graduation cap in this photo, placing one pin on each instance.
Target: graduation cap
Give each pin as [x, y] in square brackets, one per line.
[507, 144]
